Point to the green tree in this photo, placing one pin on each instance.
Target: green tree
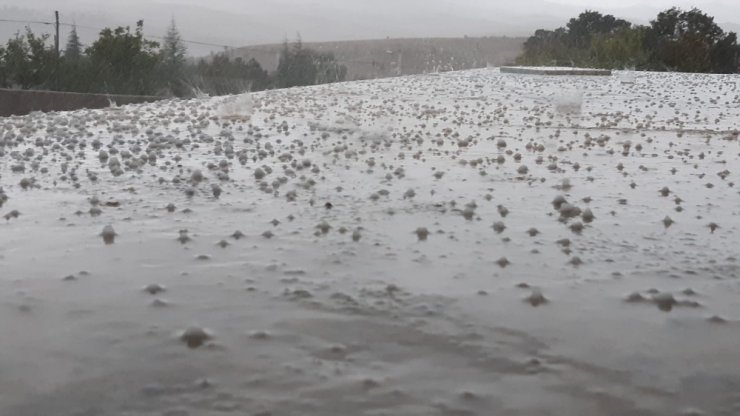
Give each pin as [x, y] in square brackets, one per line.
[582, 29]
[547, 47]
[28, 61]
[726, 55]
[296, 66]
[222, 75]
[74, 66]
[676, 40]
[621, 50]
[172, 58]
[299, 66]
[73, 50]
[328, 70]
[690, 41]
[17, 64]
[3, 69]
[123, 62]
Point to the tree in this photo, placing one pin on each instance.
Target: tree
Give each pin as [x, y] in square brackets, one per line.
[124, 62]
[253, 71]
[725, 55]
[690, 41]
[173, 49]
[222, 75]
[572, 45]
[28, 62]
[73, 50]
[3, 69]
[172, 61]
[17, 64]
[296, 66]
[622, 50]
[545, 47]
[328, 70]
[687, 41]
[588, 24]
[299, 66]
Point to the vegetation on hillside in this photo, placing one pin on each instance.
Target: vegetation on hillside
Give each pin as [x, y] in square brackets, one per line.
[302, 66]
[123, 61]
[677, 40]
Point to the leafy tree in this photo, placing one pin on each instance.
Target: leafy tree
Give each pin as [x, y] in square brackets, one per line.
[328, 70]
[28, 62]
[726, 55]
[546, 47]
[17, 65]
[3, 69]
[588, 24]
[124, 62]
[690, 41]
[222, 75]
[253, 71]
[621, 50]
[296, 66]
[301, 66]
[675, 41]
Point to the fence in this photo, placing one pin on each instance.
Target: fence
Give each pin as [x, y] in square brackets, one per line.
[21, 102]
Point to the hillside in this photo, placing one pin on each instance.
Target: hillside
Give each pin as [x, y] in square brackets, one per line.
[367, 59]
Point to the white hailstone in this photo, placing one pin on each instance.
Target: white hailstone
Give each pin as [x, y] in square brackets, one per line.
[667, 221]
[468, 213]
[422, 233]
[499, 227]
[108, 234]
[324, 227]
[196, 177]
[216, 189]
[195, 336]
[665, 301]
[536, 298]
[577, 227]
[154, 288]
[569, 211]
[587, 215]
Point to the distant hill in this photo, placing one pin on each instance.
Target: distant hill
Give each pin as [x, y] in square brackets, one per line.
[367, 59]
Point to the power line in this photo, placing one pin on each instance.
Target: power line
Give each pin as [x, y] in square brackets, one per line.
[25, 21]
[194, 42]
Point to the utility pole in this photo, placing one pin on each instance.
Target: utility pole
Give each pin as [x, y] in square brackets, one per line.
[56, 36]
[56, 48]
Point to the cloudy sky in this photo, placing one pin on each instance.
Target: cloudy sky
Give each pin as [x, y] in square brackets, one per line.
[246, 22]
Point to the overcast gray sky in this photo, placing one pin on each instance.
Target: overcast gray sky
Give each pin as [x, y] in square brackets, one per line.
[245, 22]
